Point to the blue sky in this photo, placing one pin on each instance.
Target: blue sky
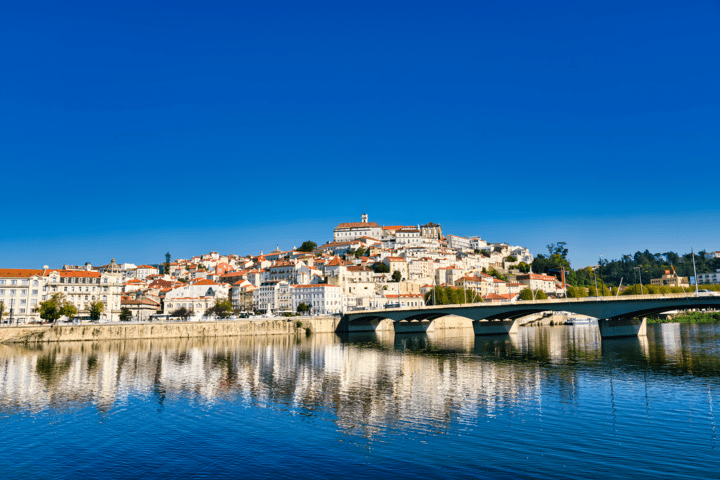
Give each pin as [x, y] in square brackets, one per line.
[131, 129]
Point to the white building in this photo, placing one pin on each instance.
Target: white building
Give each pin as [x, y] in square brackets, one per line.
[704, 278]
[20, 291]
[459, 243]
[82, 288]
[711, 255]
[477, 243]
[144, 271]
[323, 299]
[536, 281]
[407, 237]
[350, 231]
[274, 295]
[200, 288]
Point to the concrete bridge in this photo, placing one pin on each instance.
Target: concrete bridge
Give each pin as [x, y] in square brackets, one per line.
[617, 316]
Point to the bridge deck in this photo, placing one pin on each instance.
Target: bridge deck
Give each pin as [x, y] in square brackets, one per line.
[598, 307]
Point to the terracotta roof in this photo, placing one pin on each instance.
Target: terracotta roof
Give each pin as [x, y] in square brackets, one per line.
[358, 225]
[71, 273]
[396, 259]
[203, 281]
[359, 268]
[316, 285]
[19, 272]
[335, 262]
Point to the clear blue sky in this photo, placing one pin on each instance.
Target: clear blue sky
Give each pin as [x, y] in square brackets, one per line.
[131, 129]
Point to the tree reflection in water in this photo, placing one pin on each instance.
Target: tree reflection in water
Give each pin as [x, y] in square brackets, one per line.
[367, 382]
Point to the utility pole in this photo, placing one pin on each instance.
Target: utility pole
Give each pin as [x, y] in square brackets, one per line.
[641, 285]
[694, 271]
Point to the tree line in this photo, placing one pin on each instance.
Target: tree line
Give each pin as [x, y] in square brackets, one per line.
[628, 268]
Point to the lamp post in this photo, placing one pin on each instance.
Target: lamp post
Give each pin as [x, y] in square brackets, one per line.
[595, 274]
[641, 286]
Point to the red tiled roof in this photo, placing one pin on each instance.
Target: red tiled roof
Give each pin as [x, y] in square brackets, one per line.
[335, 262]
[20, 272]
[358, 225]
[358, 268]
[316, 285]
[71, 273]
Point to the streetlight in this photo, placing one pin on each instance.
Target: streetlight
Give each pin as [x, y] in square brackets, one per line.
[595, 274]
[640, 271]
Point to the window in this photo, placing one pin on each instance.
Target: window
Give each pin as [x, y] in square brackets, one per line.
[12, 293]
[105, 280]
[34, 292]
[2, 282]
[13, 282]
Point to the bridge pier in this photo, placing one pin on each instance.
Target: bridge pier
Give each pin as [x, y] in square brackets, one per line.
[624, 327]
[495, 327]
[424, 326]
[363, 326]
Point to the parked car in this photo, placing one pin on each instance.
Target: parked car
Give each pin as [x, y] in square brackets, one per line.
[707, 293]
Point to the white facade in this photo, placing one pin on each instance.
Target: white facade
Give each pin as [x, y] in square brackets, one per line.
[709, 278]
[459, 243]
[20, 291]
[324, 299]
[350, 231]
[82, 288]
[202, 288]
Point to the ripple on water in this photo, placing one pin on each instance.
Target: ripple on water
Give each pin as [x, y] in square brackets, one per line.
[548, 402]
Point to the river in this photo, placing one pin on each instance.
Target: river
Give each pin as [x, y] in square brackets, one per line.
[549, 402]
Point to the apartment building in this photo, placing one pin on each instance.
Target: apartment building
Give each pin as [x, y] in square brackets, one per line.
[323, 299]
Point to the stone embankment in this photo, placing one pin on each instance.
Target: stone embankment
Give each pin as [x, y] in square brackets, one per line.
[234, 328]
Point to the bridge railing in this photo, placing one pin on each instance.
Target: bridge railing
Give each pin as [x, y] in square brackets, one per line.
[558, 301]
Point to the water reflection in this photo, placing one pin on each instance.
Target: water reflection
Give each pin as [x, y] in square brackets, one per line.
[367, 380]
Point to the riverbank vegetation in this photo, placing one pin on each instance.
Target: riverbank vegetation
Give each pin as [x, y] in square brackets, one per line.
[690, 317]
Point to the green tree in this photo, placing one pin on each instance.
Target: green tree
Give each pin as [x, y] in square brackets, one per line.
[307, 246]
[125, 314]
[527, 294]
[576, 292]
[181, 312]
[303, 308]
[68, 310]
[2, 310]
[95, 310]
[360, 252]
[56, 307]
[511, 258]
[381, 268]
[166, 265]
[222, 308]
[396, 276]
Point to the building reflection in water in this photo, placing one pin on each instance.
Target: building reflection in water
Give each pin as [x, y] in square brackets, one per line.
[367, 381]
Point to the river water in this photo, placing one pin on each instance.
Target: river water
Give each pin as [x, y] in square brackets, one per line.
[549, 402]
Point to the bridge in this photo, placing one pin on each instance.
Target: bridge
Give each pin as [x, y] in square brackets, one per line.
[617, 316]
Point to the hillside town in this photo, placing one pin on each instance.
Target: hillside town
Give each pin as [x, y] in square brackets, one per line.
[365, 266]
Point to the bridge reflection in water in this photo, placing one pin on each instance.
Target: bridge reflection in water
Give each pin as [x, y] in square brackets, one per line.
[474, 398]
[462, 368]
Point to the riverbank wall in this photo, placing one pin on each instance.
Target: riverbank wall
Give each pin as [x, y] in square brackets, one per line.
[227, 328]
[234, 328]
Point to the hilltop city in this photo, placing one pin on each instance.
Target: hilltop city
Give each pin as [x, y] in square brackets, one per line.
[365, 266]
